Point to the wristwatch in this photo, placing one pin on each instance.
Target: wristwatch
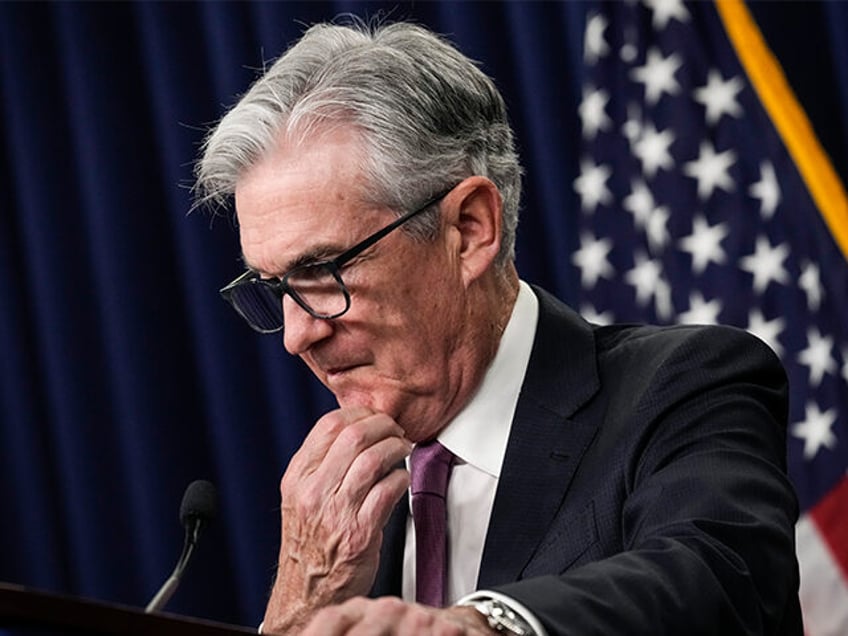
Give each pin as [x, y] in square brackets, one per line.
[501, 618]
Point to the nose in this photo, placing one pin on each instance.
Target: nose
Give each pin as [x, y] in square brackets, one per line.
[300, 329]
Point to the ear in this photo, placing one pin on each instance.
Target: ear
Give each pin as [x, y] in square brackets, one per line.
[476, 217]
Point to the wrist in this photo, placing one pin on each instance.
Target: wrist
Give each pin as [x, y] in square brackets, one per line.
[282, 623]
[286, 612]
[473, 620]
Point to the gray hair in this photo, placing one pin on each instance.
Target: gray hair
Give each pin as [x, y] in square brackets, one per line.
[427, 115]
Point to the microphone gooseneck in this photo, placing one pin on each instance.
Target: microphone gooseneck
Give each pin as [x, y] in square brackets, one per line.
[198, 508]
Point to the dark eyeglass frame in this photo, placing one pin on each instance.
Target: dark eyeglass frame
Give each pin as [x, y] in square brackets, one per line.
[281, 287]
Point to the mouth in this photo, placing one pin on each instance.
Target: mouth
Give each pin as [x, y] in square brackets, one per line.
[339, 372]
[333, 368]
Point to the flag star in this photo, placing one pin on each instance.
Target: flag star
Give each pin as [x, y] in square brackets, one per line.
[766, 264]
[591, 258]
[657, 229]
[640, 203]
[817, 356]
[591, 185]
[711, 170]
[662, 300]
[704, 243]
[665, 10]
[719, 96]
[810, 282]
[628, 52]
[646, 278]
[700, 311]
[767, 330]
[767, 190]
[652, 149]
[632, 127]
[658, 75]
[590, 314]
[816, 430]
[594, 45]
[592, 112]
[845, 364]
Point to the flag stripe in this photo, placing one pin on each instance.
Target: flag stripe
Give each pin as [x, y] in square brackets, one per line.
[790, 120]
[823, 589]
[829, 516]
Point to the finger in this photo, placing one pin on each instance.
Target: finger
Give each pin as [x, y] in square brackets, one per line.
[363, 437]
[393, 617]
[382, 498]
[373, 464]
[378, 617]
[417, 620]
[422, 619]
[333, 620]
[324, 434]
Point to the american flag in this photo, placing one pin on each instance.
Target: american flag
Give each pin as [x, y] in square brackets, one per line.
[706, 198]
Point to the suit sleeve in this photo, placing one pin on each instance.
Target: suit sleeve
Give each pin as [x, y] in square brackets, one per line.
[706, 520]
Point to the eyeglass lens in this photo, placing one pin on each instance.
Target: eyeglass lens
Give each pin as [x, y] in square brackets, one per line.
[258, 304]
[316, 288]
[320, 289]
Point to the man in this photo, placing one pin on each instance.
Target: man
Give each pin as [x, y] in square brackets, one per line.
[610, 480]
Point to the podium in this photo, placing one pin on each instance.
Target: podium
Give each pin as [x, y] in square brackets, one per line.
[26, 611]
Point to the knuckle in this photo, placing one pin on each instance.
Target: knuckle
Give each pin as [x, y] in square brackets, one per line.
[331, 423]
[370, 465]
[390, 604]
[330, 613]
[311, 497]
[303, 502]
[418, 619]
[353, 436]
[357, 540]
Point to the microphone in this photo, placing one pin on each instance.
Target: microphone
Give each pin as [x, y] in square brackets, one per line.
[199, 506]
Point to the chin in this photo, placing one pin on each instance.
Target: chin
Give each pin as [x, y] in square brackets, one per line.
[350, 396]
[346, 400]
[373, 400]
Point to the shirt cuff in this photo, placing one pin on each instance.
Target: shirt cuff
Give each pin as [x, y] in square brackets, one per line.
[511, 603]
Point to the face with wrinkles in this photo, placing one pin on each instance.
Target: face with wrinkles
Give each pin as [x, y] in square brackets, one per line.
[400, 348]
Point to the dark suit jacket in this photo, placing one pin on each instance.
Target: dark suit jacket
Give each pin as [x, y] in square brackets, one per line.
[643, 489]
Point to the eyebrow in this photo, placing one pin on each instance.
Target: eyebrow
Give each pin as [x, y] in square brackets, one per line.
[316, 254]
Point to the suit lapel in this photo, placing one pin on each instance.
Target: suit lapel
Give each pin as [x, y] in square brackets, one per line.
[543, 452]
[545, 446]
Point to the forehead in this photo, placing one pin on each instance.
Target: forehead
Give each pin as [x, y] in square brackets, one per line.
[301, 199]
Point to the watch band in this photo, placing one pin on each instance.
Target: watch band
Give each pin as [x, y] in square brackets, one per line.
[501, 618]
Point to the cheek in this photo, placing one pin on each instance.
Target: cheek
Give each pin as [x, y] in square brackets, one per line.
[413, 299]
[408, 323]
[434, 325]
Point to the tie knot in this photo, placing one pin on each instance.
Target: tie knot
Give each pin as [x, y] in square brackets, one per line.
[429, 466]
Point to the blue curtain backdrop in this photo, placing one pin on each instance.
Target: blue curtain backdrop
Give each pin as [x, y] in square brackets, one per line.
[123, 376]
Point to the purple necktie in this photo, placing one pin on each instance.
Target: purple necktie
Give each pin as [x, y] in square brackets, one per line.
[430, 467]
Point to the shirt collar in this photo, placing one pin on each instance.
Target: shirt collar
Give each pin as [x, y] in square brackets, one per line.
[478, 434]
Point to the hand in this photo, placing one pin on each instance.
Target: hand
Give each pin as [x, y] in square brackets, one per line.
[337, 494]
[390, 616]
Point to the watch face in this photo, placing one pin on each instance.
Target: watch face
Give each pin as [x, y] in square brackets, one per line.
[502, 619]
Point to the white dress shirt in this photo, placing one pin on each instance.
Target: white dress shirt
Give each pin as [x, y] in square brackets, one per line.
[478, 437]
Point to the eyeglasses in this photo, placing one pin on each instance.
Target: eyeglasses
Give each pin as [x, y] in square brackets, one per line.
[317, 287]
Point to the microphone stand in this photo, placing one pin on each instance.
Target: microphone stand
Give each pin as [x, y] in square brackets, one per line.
[170, 586]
